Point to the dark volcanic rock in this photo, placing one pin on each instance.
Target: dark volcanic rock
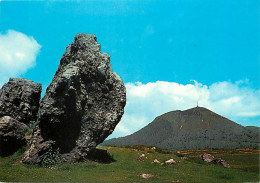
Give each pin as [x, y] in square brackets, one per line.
[19, 98]
[12, 135]
[211, 159]
[82, 105]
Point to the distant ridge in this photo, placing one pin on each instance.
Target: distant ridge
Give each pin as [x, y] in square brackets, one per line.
[195, 128]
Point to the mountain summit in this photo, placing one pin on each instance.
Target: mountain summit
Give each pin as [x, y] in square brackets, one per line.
[196, 128]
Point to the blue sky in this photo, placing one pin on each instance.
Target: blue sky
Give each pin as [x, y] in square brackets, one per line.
[215, 43]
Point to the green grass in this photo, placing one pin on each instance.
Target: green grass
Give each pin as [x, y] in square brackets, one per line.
[244, 167]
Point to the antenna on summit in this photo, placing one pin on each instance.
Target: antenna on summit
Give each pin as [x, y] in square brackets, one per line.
[197, 104]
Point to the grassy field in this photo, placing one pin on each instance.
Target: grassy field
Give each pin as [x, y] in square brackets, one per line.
[244, 167]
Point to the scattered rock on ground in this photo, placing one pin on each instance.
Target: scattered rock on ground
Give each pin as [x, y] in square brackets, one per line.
[211, 159]
[146, 176]
[156, 161]
[170, 162]
[141, 157]
[82, 105]
[176, 181]
[221, 162]
[207, 157]
[184, 158]
[12, 135]
[19, 98]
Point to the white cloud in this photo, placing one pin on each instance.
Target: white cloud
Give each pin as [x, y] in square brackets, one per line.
[236, 101]
[17, 54]
[122, 128]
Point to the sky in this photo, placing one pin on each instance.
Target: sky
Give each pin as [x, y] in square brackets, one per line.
[169, 53]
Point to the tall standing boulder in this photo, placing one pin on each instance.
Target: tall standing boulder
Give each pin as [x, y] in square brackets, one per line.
[82, 105]
[19, 98]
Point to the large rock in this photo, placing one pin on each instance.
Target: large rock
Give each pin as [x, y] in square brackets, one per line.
[12, 135]
[211, 159]
[19, 98]
[82, 105]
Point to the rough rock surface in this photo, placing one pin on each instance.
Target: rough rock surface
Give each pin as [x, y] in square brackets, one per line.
[12, 135]
[82, 105]
[211, 159]
[19, 98]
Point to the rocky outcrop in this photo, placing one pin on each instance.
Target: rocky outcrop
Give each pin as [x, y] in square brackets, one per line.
[211, 159]
[12, 135]
[82, 105]
[19, 98]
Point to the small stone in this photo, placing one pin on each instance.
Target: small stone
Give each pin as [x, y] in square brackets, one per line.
[176, 181]
[221, 162]
[207, 157]
[141, 157]
[156, 161]
[146, 176]
[170, 162]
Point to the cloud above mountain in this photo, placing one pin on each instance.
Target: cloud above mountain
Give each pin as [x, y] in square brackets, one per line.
[236, 101]
[18, 53]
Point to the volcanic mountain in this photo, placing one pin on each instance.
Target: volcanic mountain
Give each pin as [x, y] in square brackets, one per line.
[196, 128]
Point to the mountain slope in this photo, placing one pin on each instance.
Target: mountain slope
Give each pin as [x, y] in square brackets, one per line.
[196, 128]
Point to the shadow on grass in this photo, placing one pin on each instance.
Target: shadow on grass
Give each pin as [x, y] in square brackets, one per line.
[101, 156]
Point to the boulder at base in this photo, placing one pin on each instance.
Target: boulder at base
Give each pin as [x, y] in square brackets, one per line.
[12, 135]
[82, 105]
[19, 98]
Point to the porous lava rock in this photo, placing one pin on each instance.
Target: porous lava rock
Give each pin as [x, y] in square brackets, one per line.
[19, 98]
[82, 105]
[12, 135]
